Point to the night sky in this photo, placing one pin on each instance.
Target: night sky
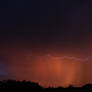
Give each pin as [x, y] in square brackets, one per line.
[46, 41]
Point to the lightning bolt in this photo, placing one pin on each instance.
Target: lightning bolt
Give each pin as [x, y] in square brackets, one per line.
[71, 58]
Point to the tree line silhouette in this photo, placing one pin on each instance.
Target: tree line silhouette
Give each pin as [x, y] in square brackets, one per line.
[13, 85]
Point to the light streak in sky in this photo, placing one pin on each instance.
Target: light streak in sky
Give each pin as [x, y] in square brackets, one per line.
[72, 58]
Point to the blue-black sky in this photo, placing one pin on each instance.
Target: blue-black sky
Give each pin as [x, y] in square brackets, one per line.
[60, 23]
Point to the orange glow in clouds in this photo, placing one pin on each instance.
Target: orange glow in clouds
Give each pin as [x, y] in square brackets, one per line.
[48, 71]
[58, 73]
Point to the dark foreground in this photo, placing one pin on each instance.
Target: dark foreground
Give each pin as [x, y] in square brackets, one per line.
[27, 86]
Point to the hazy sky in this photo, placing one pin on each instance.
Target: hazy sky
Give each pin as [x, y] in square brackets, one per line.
[36, 34]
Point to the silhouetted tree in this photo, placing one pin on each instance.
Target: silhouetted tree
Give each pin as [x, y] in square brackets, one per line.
[25, 86]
